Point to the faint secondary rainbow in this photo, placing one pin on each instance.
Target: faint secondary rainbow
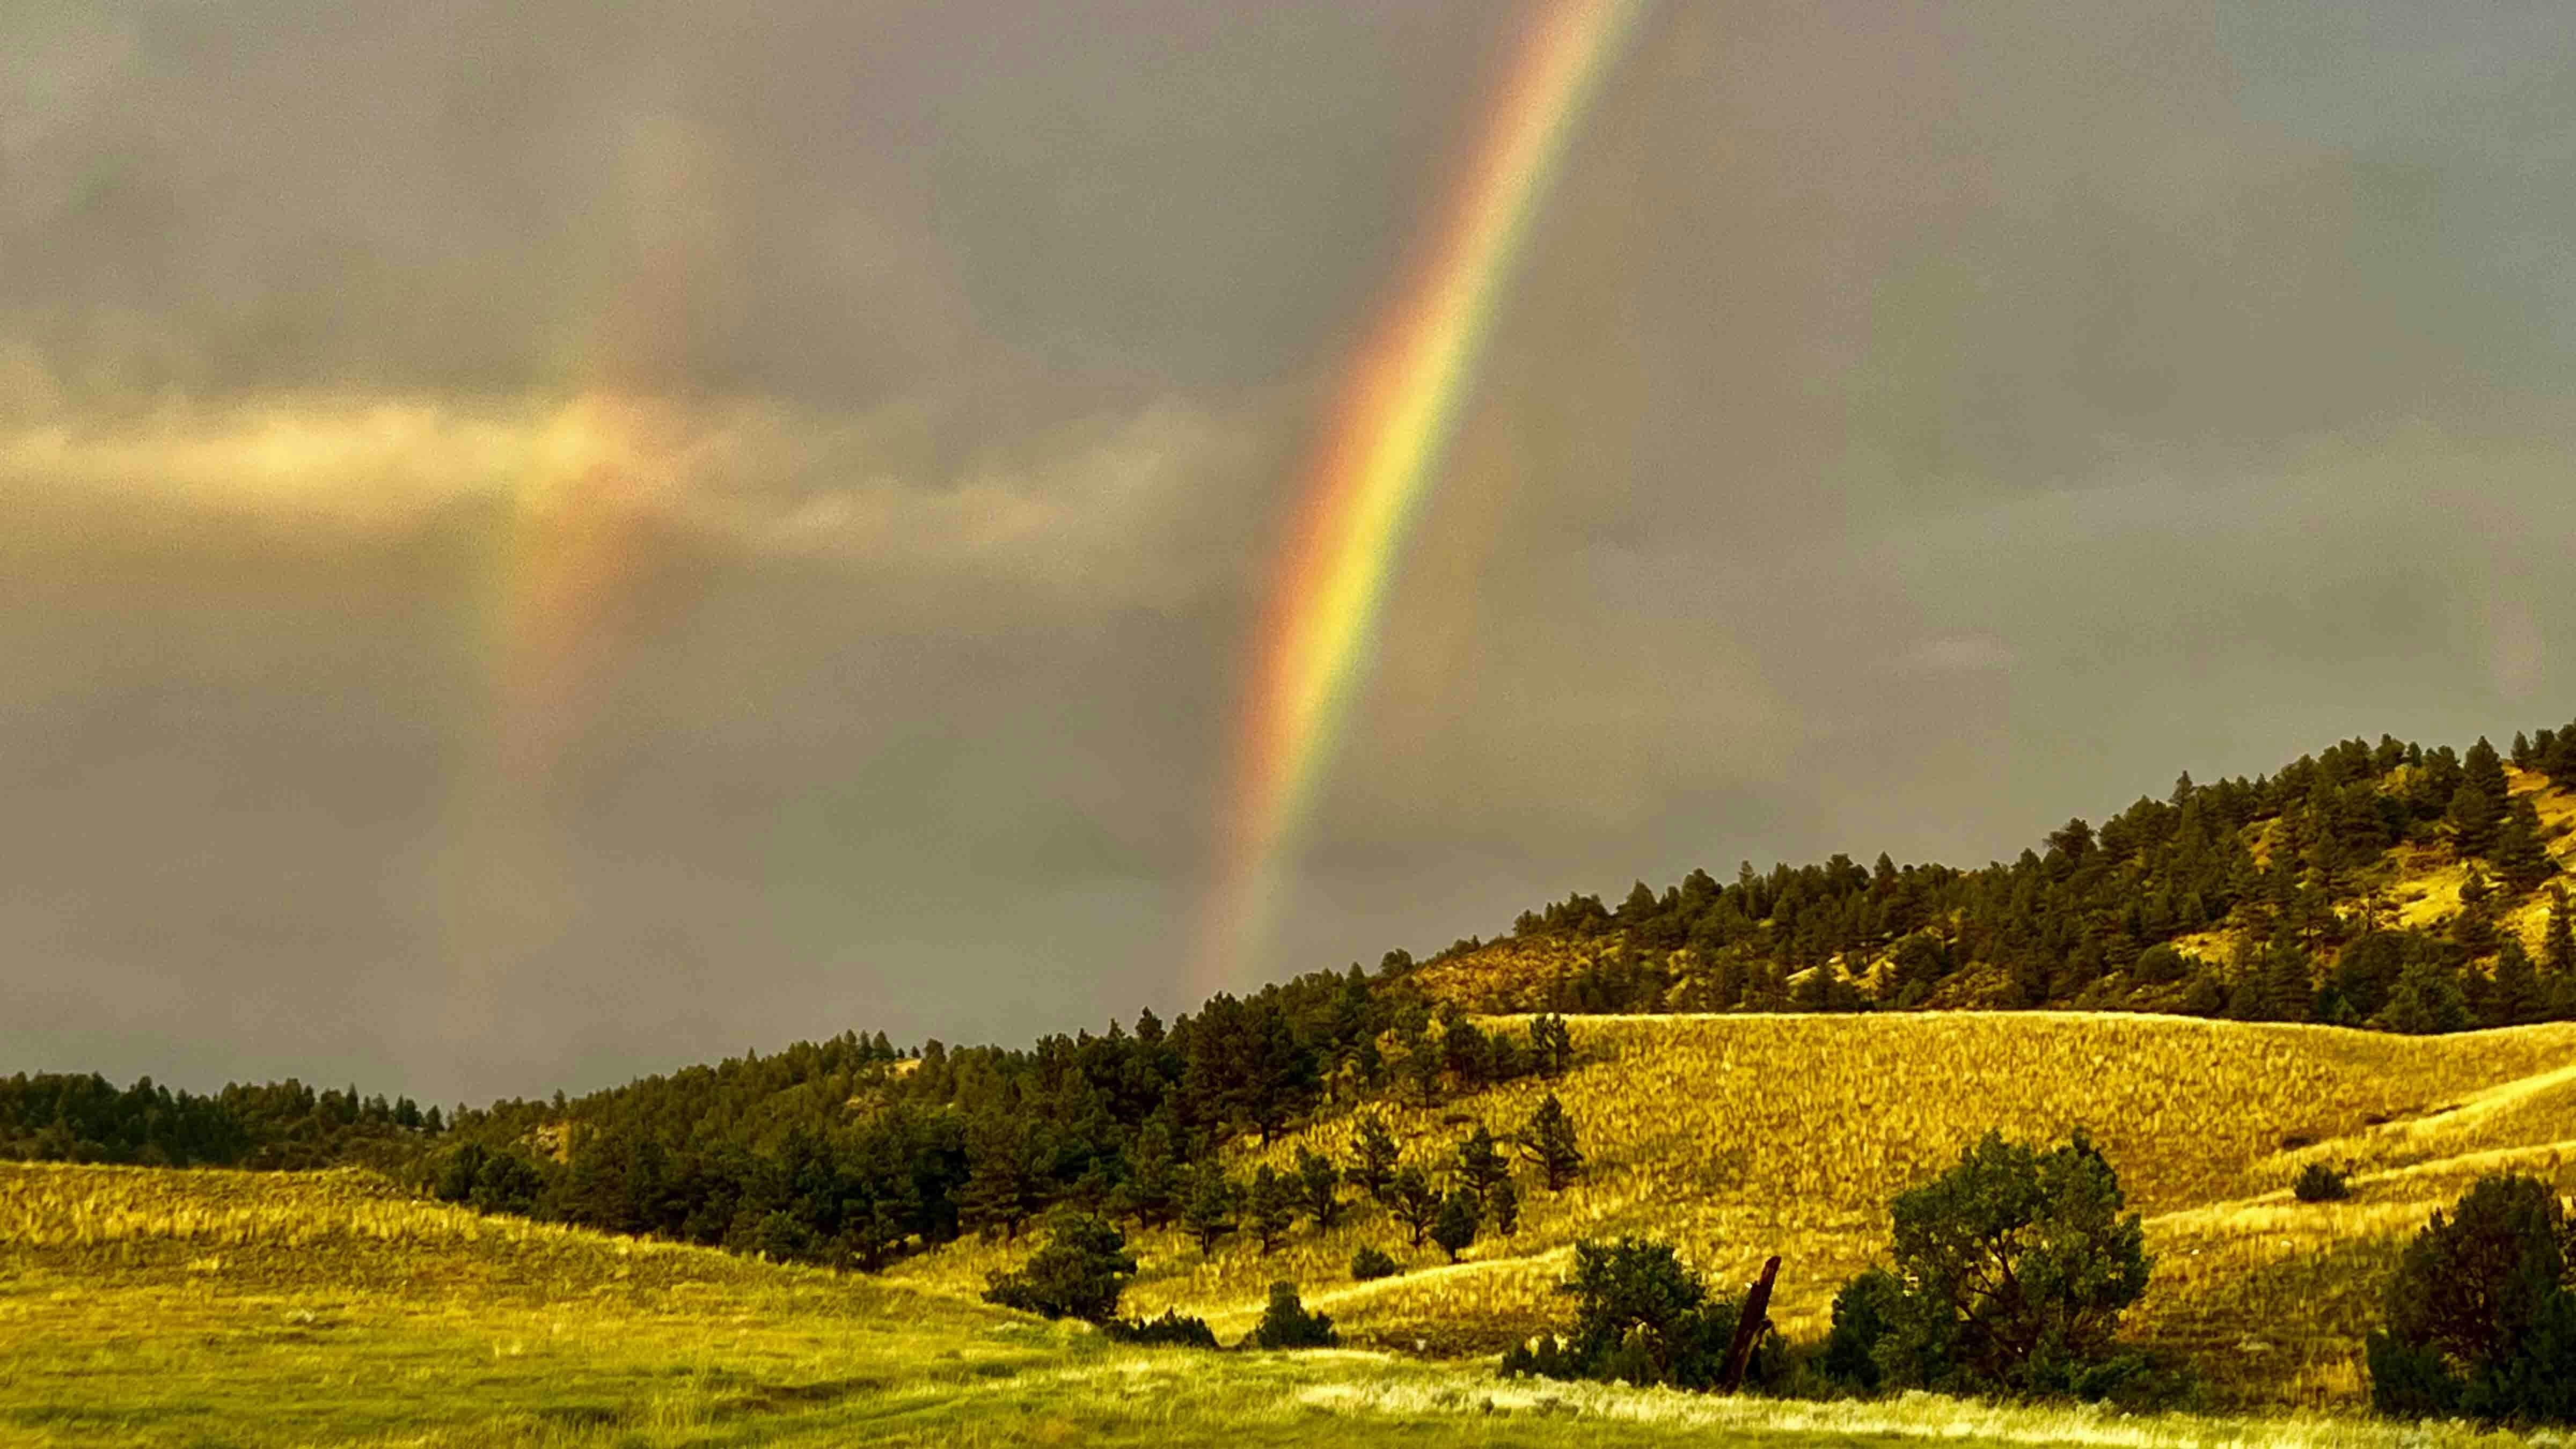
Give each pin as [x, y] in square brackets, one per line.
[1378, 460]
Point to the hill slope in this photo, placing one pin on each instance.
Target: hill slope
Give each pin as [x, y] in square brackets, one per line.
[2465, 853]
[1740, 1136]
[152, 1307]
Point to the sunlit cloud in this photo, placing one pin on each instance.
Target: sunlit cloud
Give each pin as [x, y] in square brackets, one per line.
[1085, 505]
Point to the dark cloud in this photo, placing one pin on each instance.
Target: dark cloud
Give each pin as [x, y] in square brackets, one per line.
[1906, 428]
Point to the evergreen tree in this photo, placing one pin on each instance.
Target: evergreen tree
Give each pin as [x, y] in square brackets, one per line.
[2474, 928]
[1152, 1189]
[1207, 1213]
[2558, 951]
[2481, 766]
[1002, 1190]
[1551, 1045]
[2481, 1316]
[1479, 1165]
[2426, 1000]
[1373, 1157]
[1321, 1184]
[2522, 860]
[2516, 998]
[1454, 1225]
[1415, 1203]
[1550, 1140]
[1287, 1323]
[1503, 1208]
[1273, 1206]
[2288, 983]
[2476, 815]
[1078, 1274]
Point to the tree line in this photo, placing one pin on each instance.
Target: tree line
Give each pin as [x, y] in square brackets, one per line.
[2294, 867]
[850, 1152]
[66, 1117]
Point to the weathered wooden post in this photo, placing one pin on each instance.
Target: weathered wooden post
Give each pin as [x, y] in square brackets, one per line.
[1748, 1328]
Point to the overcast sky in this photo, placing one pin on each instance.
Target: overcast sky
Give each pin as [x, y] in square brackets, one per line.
[545, 542]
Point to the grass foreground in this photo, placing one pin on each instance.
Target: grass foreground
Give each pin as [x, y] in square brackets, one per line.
[149, 1308]
[143, 1307]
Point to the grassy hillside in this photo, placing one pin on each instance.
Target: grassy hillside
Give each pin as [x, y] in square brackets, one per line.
[152, 1307]
[1742, 1136]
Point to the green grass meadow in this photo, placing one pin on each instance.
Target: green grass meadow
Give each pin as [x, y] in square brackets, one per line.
[155, 1308]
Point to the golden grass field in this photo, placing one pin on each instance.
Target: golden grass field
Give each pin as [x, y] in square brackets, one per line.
[1742, 1136]
[146, 1307]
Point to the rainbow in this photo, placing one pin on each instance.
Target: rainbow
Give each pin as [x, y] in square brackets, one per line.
[1369, 479]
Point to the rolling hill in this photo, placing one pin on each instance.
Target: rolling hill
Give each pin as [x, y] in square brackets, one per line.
[1740, 1136]
[145, 1306]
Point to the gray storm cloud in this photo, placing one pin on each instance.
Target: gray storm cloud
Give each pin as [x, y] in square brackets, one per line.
[1908, 428]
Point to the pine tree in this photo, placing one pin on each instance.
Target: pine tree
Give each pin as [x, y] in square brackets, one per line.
[2477, 997]
[2475, 816]
[1002, 1191]
[2558, 760]
[1413, 1200]
[1551, 1045]
[2474, 928]
[1550, 1142]
[1373, 1157]
[2517, 999]
[2522, 861]
[1454, 1225]
[1153, 1183]
[1503, 1208]
[1321, 1185]
[1274, 1206]
[2558, 942]
[1479, 1165]
[2287, 985]
[1207, 1214]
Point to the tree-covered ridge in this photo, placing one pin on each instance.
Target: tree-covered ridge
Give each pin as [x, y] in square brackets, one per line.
[2381, 885]
[62, 1117]
[2386, 885]
[851, 1152]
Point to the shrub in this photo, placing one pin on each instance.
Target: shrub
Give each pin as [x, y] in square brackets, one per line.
[1169, 1331]
[1368, 1264]
[2162, 965]
[1863, 1311]
[1287, 1324]
[1079, 1274]
[1644, 1317]
[781, 1237]
[2016, 1266]
[2481, 1320]
[2320, 1183]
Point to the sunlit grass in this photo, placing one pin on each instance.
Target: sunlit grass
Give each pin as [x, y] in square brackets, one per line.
[329, 1320]
[1742, 1136]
